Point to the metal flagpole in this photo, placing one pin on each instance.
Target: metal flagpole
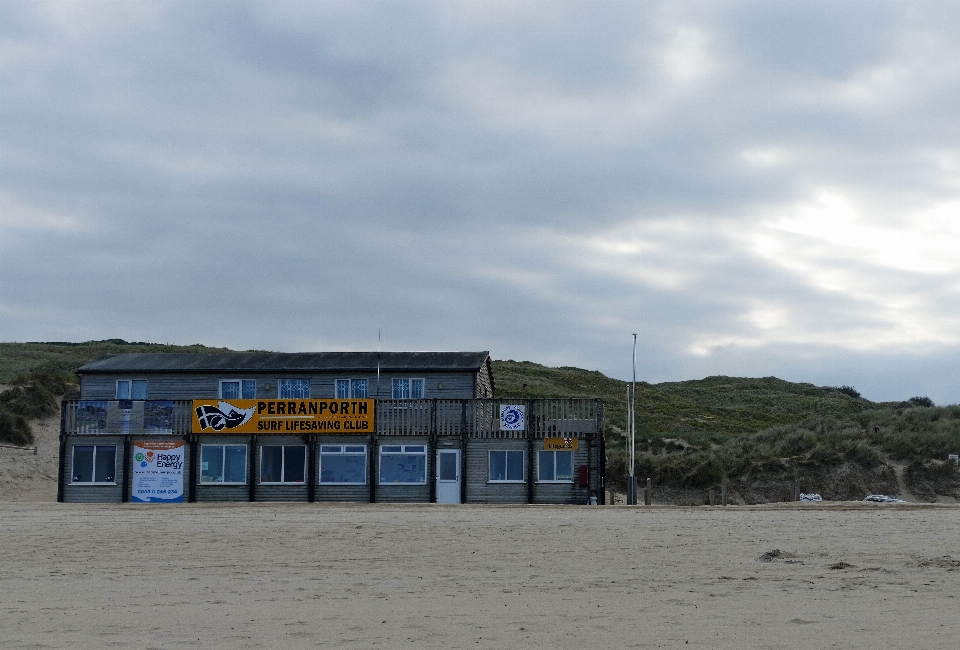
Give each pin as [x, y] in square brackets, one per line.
[633, 427]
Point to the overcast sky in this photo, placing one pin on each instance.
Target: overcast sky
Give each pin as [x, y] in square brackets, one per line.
[754, 188]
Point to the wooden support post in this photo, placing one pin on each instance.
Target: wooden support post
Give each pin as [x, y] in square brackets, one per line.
[724, 490]
[711, 496]
[647, 494]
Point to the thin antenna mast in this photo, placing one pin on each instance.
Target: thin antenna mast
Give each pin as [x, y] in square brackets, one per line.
[378, 363]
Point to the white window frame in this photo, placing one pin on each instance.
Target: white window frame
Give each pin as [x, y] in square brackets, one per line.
[129, 384]
[283, 465]
[93, 468]
[405, 450]
[223, 463]
[241, 387]
[281, 382]
[554, 480]
[342, 452]
[506, 452]
[409, 382]
[351, 388]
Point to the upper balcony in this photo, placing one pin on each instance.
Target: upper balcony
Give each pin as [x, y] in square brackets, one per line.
[473, 418]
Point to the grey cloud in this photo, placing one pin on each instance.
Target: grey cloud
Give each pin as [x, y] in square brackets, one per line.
[295, 175]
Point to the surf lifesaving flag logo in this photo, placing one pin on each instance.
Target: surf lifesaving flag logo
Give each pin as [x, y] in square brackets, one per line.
[223, 416]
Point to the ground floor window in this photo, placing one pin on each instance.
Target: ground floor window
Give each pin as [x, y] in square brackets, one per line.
[343, 464]
[223, 464]
[555, 466]
[95, 464]
[506, 466]
[403, 464]
[283, 464]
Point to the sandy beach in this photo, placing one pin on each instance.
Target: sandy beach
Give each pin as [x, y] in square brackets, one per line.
[362, 576]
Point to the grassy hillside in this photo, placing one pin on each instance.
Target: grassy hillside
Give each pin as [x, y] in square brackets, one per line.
[714, 408]
[39, 374]
[20, 358]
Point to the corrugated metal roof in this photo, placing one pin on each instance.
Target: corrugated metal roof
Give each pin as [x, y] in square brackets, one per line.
[288, 362]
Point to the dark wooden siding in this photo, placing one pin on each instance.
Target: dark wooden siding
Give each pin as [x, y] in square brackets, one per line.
[456, 385]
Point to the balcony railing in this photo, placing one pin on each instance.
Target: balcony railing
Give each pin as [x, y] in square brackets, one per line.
[474, 418]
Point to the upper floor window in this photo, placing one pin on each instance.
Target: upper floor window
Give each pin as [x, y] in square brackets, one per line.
[346, 388]
[408, 389]
[132, 389]
[293, 388]
[238, 389]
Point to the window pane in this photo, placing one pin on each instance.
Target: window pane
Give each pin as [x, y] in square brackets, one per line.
[498, 465]
[230, 389]
[82, 464]
[387, 449]
[342, 468]
[401, 389]
[416, 389]
[359, 388]
[564, 460]
[514, 465]
[355, 449]
[139, 389]
[235, 464]
[545, 465]
[123, 389]
[293, 388]
[403, 468]
[271, 464]
[105, 461]
[211, 464]
[448, 466]
[343, 389]
[249, 389]
[294, 464]
[330, 449]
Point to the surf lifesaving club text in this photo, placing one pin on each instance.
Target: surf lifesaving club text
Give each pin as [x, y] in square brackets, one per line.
[283, 416]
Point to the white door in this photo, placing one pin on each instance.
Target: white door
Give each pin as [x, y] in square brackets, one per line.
[448, 476]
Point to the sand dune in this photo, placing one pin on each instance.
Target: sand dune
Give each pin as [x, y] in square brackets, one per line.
[25, 476]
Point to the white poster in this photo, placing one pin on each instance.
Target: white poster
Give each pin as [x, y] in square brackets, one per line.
[158, 472]
[511, 417]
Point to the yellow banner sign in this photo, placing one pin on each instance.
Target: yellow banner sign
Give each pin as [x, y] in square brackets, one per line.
[561, 443]
[290, 416]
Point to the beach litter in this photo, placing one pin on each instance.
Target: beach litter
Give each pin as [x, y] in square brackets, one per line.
[883, 498]
[810, 497]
